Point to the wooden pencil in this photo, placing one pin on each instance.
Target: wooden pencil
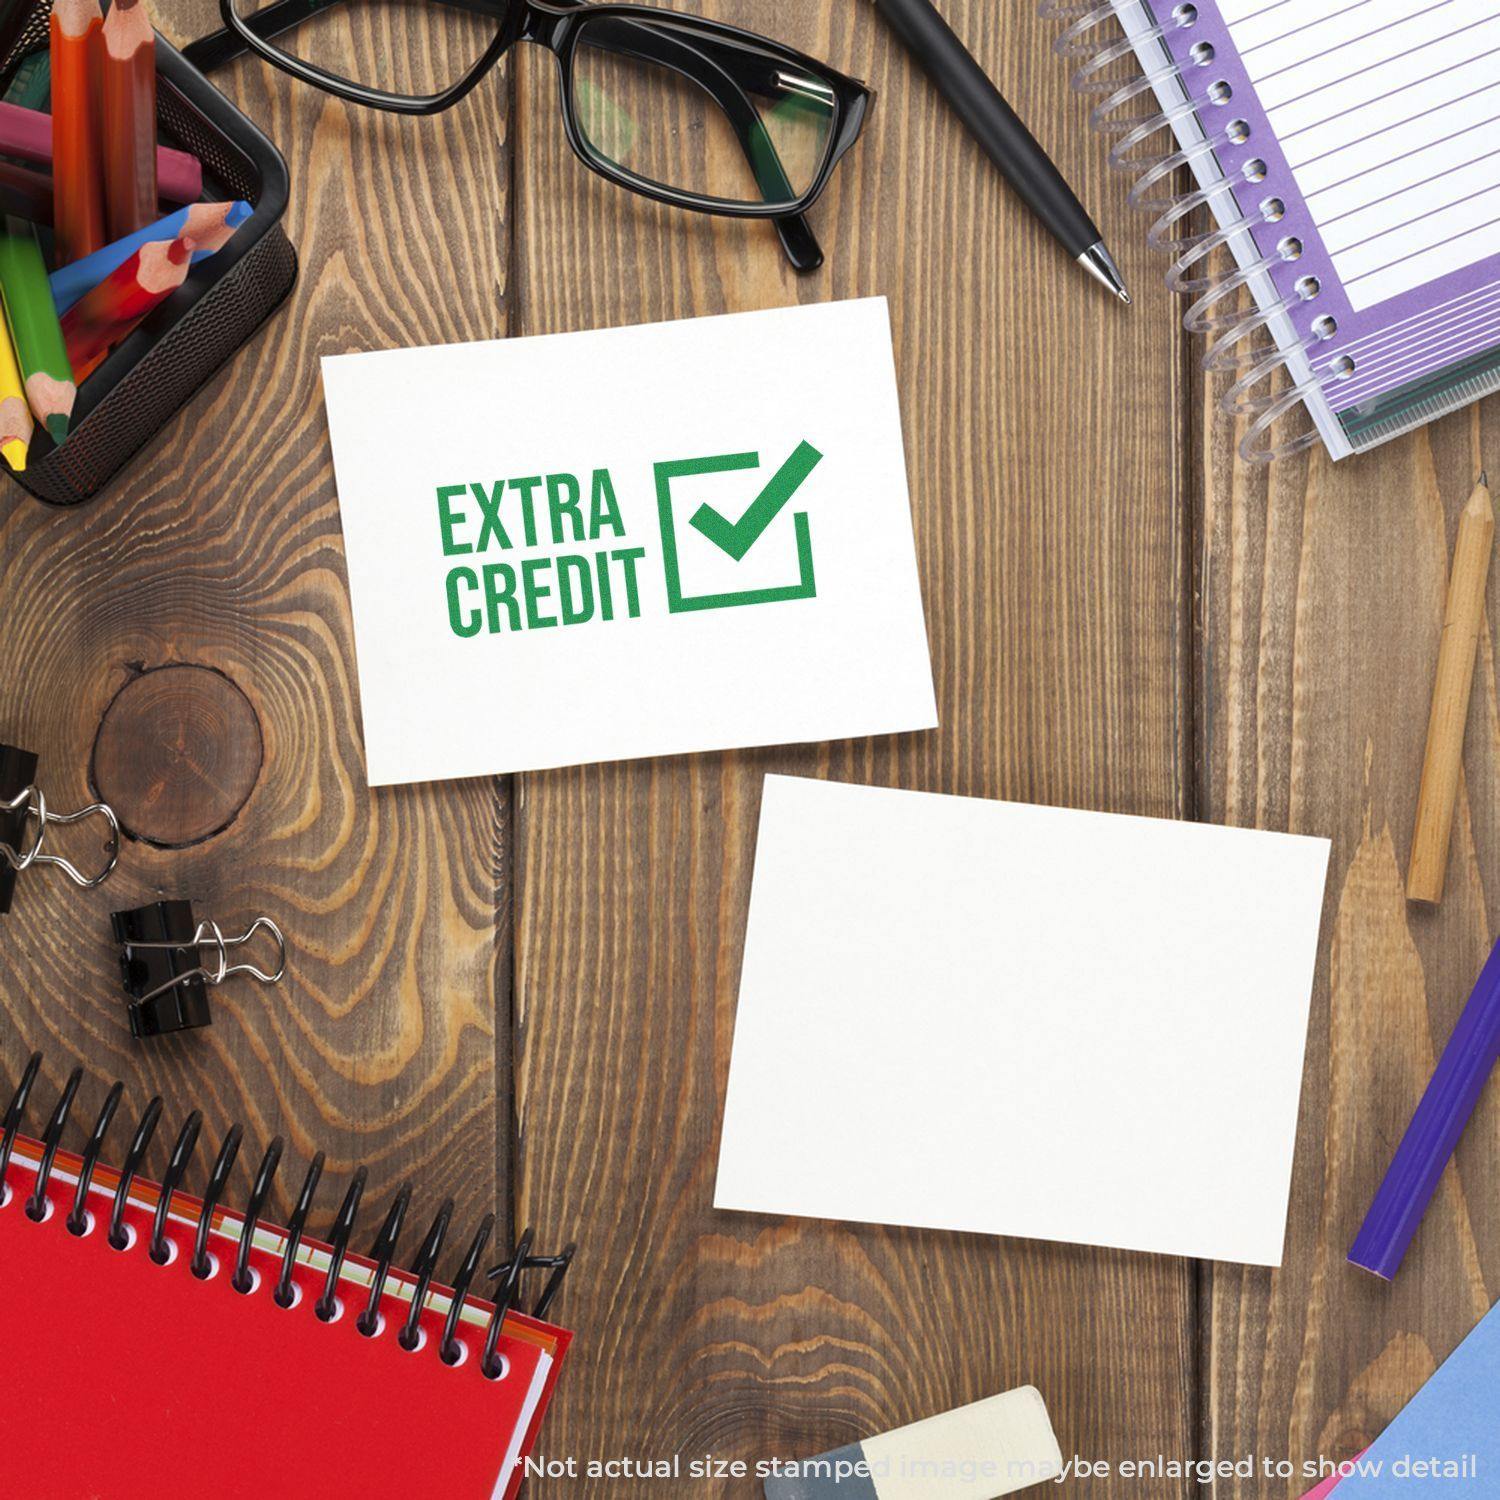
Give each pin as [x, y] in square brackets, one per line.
[98, 321]
[78, 215]
[129, 117]
[35, 331]
[16, 425]
[1463, 619]
[28, 194]
[210, 226]
[26, 134]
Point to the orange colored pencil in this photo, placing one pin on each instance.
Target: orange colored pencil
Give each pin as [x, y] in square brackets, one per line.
[129, 92]
[77, 175]
[99, 320]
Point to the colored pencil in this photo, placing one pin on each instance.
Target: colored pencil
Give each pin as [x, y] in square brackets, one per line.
[27, 193]
[26, 134]
[129, 118]
[97, 322]
[209, 225]
[76, 170]
[1436, 1127]
[15, 416]
[34, 329]
[1463, 619]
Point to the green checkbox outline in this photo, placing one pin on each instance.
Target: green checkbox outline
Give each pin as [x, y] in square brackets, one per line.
[678, 602]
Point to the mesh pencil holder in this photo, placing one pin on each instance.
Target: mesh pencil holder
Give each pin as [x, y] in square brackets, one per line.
[165, 362]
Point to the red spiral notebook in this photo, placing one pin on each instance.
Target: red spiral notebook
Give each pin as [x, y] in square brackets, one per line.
[128, 1379]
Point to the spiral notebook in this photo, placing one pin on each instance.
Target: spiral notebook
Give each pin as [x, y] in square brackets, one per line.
[1349, 152]
[133, 1378]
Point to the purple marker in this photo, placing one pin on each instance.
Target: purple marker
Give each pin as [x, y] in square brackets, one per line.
[1431, 1138]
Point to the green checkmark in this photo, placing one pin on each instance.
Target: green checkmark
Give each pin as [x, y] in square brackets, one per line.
[738, 537]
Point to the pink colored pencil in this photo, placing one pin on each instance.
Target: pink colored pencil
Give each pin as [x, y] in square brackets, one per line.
[26, 134]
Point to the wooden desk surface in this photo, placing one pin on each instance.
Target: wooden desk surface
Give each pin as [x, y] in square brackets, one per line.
[520, 992]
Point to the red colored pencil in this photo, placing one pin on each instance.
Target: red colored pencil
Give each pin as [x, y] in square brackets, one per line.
[98, 321]
[129, 118]
[75, 41]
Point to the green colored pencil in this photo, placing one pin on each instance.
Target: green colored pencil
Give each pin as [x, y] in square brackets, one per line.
[34, 328]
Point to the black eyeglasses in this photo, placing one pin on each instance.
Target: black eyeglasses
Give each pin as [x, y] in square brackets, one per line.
[679, 109]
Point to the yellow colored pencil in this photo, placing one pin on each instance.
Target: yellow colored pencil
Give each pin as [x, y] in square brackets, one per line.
[15, 415]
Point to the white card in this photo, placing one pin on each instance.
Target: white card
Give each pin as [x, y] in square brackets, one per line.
[985, 1016]
[710, 543]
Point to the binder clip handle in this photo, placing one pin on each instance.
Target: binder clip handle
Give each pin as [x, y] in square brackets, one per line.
[210, 934]
[30, 804]
[167, 971]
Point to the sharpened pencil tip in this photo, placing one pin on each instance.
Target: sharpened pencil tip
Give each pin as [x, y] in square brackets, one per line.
[57, 427]
[15, 454]
[1484, 478]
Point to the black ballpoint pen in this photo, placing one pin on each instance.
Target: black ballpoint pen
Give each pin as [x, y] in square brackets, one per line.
[998, 129]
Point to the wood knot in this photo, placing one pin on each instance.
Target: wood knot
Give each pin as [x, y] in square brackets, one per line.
[178, 752]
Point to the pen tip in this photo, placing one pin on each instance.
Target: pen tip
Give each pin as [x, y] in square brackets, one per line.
[1098, 262]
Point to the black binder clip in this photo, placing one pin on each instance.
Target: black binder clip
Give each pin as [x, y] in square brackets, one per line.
[161, 958]
[25, 820]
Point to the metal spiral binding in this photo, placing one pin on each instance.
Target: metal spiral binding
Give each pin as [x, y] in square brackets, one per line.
[451, 1350]
[1215, 310]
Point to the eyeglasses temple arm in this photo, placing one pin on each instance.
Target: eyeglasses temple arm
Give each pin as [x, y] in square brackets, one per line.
[223, 46]
[798, 241]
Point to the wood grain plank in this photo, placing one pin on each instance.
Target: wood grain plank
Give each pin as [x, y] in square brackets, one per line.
[1323, 590]
[1048, 481]
[221, 549]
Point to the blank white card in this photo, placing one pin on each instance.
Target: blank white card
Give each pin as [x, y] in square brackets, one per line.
[985, 1016]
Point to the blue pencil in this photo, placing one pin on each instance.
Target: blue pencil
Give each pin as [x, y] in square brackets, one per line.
[210, 225]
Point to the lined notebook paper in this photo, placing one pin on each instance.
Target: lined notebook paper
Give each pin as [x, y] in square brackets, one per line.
[1389, 112]
[1355, 149]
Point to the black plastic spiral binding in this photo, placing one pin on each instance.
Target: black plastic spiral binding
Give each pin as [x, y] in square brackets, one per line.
[78, 1217]
[410, 1337]
[118, 1239]
[327, 1308]
[177, 1164]
[286, 1293]
[36, 1208]
[384, 1248]
[242, 1281]
[202, 1262]
[12, 1122]
[450, 1351]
